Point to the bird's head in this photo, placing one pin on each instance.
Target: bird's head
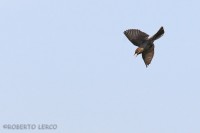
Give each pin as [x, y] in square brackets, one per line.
[138, 51]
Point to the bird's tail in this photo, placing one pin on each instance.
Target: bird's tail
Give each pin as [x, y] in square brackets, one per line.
[158, 34]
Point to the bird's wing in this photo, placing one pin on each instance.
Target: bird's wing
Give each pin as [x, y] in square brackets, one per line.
[137, 37]
[147, 55]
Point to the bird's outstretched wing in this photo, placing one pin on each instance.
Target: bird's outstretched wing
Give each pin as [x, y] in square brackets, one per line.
[148, 55]
[137, 37]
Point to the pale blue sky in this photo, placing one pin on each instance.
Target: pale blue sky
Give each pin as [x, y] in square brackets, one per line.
[69, 63]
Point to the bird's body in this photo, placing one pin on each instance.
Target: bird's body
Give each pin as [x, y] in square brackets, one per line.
[144, 42]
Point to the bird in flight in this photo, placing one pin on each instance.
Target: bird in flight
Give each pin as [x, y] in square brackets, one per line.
[144, 42]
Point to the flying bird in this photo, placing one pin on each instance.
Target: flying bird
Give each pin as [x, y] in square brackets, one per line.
[144, 42]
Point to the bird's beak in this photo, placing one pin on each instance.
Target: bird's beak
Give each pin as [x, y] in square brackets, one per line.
[135, 54]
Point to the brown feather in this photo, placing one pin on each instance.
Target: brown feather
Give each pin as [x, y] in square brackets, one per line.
[147, 55]
[137, 37]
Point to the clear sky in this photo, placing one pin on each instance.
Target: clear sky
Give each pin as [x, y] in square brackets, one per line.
[67, 62]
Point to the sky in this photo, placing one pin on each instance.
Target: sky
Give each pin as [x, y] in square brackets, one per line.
[68, 64]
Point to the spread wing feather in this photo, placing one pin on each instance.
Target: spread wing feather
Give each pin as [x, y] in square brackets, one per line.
[137, 37]
[148, 55]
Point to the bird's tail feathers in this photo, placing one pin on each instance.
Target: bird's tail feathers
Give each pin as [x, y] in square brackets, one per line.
[158, 34]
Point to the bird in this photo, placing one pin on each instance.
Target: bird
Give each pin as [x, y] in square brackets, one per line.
[144, 42]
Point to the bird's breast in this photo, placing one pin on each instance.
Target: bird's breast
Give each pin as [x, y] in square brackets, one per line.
[147, 45]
